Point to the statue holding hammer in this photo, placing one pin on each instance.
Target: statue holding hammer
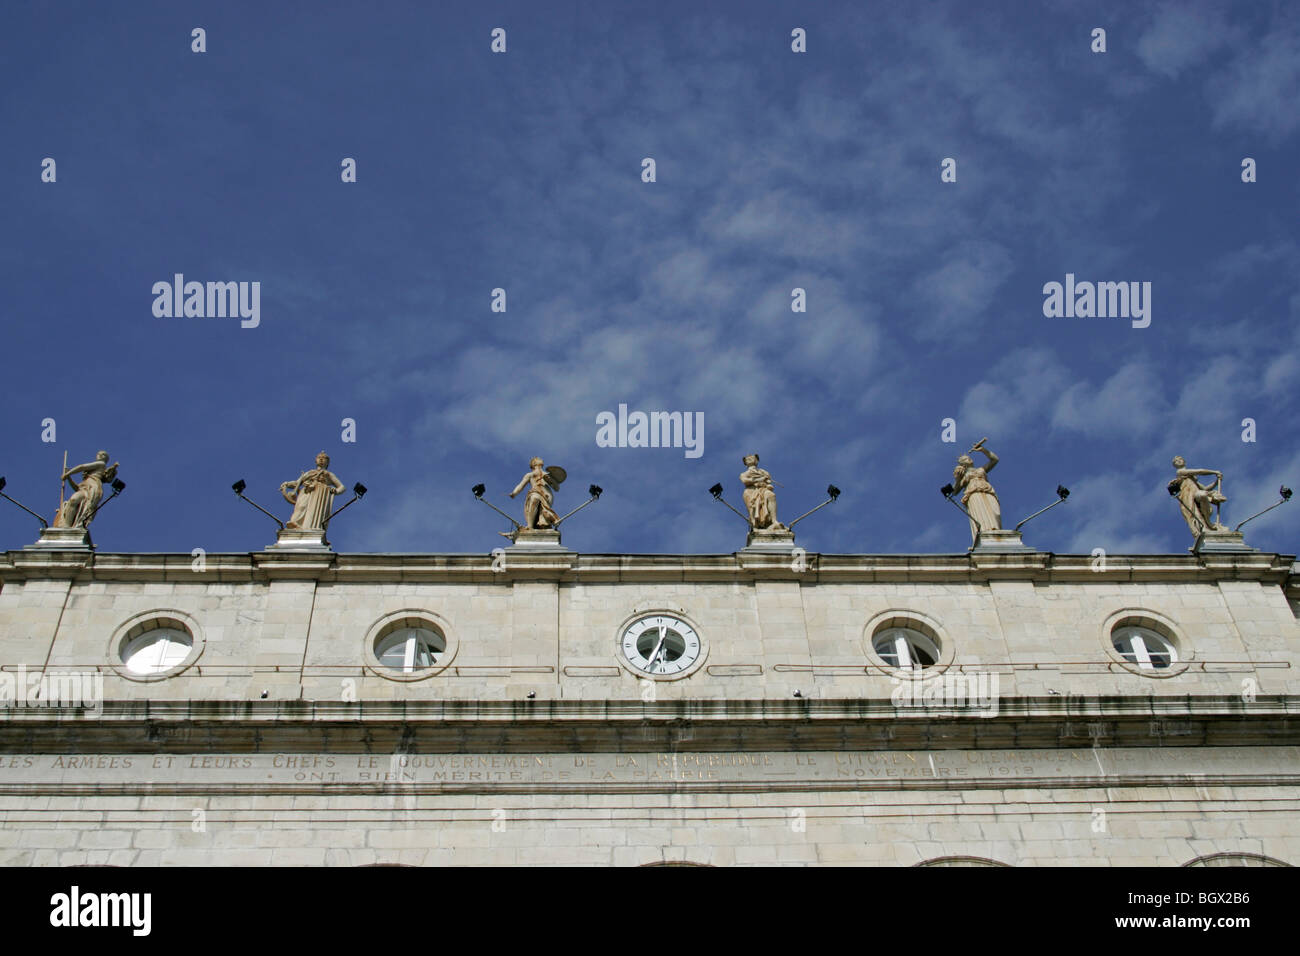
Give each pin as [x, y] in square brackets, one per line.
[978, 496]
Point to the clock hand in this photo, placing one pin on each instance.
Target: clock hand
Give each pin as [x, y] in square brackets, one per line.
[663, 636]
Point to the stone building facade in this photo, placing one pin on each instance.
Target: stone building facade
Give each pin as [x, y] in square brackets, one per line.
[308, 707]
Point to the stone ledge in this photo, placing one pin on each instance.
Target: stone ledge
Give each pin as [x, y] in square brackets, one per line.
[1037, 566]
[1071, 706]
[620, 726]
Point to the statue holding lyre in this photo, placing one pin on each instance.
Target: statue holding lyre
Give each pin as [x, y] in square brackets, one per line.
[312, 496]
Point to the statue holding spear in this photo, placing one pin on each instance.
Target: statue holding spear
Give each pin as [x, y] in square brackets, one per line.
[77, 510]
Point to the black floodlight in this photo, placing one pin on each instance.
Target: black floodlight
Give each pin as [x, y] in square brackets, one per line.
[44, 524]
[593, 492]
[238, 488]
[716, 491]
[1062, 493]
[832, 493]
[358, 491]
[118, 487]
[948, 492]
[478, 491]
[1284, 491]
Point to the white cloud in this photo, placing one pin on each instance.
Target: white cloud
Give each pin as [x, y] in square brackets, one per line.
[1131, 403]
[1282, 375]
[953, 297]
[1020, 387]
[1182, 35]
[1259, 89]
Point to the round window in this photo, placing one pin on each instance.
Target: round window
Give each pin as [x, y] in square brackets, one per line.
[906, 648]
[156, 651]
[408, 649]
[1144, 647]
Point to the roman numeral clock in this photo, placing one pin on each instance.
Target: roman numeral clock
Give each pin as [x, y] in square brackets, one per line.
[660, 645]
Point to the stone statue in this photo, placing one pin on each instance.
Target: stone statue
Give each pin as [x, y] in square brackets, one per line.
[540, 483]
[312, 496]
[1197, 500]
[978, 496]
[760, 499]
[77, 510]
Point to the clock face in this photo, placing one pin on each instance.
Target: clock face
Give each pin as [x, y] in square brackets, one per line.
[660, 645]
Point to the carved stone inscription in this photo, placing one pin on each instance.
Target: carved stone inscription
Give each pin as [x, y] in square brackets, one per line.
[770, 769]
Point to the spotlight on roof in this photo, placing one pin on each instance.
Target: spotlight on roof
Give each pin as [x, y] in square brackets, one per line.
[118, 487]
[831, 494]
[1284, 491]
[238, 488]
[1285, 494]
[478, 490]
[947, 491]
[716, 491]
[1062, 493]
[44, 524]
[358, 492]
[593, 492]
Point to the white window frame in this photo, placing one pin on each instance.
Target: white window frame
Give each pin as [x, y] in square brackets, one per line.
[901, 639]
[414, 637]
[1139, 653]
[173, 640]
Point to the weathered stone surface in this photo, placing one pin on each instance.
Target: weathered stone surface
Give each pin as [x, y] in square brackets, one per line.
[280, 744]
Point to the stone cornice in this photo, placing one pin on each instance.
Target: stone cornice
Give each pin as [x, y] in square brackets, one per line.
[613, 726]
[1038, 566]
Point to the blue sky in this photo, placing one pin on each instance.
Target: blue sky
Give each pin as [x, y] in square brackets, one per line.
[775, 170]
